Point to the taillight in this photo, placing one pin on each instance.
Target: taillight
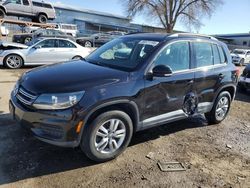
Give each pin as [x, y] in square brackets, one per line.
[237, 72]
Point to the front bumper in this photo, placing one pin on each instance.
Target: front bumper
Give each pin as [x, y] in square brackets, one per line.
[53, 127]
[244, 82]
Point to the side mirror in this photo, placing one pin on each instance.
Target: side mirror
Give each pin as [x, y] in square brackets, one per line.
[162, 71]
[38, 47]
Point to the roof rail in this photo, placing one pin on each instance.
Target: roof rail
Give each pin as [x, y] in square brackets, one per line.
[192, 35]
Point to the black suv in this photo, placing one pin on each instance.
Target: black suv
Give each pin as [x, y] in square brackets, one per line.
[130, 84]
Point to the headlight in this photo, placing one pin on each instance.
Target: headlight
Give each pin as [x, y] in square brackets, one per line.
[57, 101]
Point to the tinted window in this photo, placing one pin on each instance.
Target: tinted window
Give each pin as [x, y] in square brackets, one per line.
[66, 44]
[203, 54]
[175, 55]
[15, 1]
[50, 43]
[222, 55]
[25, 2]
[216, 55]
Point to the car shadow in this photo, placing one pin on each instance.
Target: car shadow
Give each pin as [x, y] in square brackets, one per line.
[22, 156]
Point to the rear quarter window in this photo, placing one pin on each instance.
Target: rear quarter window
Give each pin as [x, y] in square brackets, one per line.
[222, 55]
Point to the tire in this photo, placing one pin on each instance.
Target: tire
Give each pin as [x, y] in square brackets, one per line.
[88, 44]
[2, 14]
[242, 61]
[102, 124]
[26, 40]
[77, 57]
[42, 18]
[13, 61]
[212, 116]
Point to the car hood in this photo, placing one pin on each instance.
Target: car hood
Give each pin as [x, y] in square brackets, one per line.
[237, 55]
[70, 77]
[12, 44]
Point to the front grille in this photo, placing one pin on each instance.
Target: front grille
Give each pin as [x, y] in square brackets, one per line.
[25, 97]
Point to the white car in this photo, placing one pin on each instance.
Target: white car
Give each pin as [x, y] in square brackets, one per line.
[240, 56]
[43, 51]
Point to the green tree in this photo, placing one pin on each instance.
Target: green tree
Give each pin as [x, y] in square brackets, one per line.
[168, 12]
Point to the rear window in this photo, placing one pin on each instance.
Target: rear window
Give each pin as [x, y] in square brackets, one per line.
[222, 55]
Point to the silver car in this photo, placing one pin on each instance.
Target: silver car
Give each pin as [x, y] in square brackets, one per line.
[38, 11]
[43, 51]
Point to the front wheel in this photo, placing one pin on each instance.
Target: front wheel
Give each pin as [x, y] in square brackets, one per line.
[88, 44]
[107, 136]
[13, 61]
[220, 109]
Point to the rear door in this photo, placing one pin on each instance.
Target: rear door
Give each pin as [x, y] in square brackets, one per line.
[164, 97]
[208, 73]
[67, 50]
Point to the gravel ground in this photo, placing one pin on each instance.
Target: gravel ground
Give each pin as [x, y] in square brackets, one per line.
[214, 156]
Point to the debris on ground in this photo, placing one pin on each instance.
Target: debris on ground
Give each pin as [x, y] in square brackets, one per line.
[229, 146]
[150, 155]
[171, 166]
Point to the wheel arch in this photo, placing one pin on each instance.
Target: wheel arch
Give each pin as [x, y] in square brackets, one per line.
[43, 13]
[14, 53]
[4, 9]
[126, 106]
[231, 88]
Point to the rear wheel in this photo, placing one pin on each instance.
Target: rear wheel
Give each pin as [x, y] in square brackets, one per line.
[220, 109]
[88, 44]
[77, 57]
[42, 18]
[13, 61]
[107, 136]
[27, 40]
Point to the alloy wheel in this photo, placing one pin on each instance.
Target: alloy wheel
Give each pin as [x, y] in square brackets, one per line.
[110, 136]
[14, 61]
[222, 108]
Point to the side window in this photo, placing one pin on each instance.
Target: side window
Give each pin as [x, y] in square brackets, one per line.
[25, 2]
[50, 43]
[216, 55]
[15, 1]
[176, 56]
[203, 54]
[66, 44]
[222, 55]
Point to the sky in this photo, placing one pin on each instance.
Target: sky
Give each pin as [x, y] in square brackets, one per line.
[232, 17]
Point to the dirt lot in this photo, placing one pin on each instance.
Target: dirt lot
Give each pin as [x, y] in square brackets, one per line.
[214, 156]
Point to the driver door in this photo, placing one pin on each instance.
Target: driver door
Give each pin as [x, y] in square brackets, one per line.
[164, 97]
[45, 52]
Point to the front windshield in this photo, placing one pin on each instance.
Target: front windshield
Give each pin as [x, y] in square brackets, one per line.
[239, 52]
[124, 54]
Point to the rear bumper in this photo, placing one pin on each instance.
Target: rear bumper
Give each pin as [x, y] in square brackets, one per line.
[53, 127]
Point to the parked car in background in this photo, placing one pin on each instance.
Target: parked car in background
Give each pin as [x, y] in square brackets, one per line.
[69, 29]
[38, 11]
[97, 40]
[240, 56]
[130, 84]
[43, 51]
[25, 38]
[244, 81]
